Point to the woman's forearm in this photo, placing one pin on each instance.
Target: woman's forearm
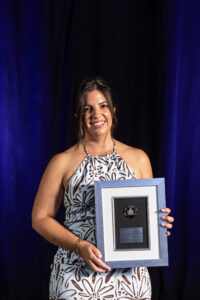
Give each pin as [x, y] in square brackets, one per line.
[54, 232]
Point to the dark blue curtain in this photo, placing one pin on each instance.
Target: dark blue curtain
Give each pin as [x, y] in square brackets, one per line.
[149, 52]
[180, 145]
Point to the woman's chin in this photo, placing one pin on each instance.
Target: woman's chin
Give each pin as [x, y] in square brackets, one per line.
[98, 133]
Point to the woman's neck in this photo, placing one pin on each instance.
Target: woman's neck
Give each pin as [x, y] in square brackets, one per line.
[100, 145]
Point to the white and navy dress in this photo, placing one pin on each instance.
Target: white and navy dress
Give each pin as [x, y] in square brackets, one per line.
[71, 277]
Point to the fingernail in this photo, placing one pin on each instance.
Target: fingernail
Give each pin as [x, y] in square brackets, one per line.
[99, 255]
[163, 224]
[163, 217]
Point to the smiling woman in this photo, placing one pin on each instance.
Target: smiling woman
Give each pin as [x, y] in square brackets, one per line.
[97, 117]
[78, 272]
[84, 92]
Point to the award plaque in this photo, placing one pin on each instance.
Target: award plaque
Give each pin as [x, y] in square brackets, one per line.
[128, 222]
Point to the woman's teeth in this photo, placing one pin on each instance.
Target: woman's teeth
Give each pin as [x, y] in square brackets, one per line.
[98, 123]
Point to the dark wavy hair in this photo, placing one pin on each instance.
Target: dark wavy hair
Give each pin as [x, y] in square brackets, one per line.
[88, 85]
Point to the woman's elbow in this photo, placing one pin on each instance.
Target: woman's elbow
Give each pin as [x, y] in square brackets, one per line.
[35, 220]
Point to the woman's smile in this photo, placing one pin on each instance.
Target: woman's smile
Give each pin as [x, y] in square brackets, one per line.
[98, 124]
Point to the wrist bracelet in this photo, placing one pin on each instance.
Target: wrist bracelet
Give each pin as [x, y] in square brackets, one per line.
[77, 245]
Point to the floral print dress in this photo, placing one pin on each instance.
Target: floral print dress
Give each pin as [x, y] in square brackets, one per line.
[71, 277]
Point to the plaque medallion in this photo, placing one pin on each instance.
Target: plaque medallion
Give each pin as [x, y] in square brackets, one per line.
[130, 211]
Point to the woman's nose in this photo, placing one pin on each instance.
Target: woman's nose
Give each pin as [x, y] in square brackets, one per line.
[96, 113]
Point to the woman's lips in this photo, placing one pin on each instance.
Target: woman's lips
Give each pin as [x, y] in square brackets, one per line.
[98, 124]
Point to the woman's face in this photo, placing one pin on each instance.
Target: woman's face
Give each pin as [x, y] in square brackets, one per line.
[97, 117]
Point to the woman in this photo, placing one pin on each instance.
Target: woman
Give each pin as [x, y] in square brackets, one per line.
[78, 271]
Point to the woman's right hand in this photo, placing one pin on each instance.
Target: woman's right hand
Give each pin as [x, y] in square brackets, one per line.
[92, 257]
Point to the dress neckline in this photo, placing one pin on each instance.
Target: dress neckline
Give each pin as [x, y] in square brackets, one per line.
[100, 156]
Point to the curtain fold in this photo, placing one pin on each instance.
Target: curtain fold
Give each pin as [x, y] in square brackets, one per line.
[179, 151]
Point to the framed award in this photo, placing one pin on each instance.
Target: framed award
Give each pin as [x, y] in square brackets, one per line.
[128, 222]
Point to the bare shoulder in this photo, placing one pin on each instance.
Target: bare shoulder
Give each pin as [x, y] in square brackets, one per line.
[73, 158]
[52, 184]
[136, 158]
[135, 153]
[61, 162]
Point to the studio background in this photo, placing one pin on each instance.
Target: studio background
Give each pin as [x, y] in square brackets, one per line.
[149, 52]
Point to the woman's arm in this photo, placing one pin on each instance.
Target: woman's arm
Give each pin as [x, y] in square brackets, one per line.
[47, 202]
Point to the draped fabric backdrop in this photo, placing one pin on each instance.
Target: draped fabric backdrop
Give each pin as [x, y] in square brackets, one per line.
[149, 52]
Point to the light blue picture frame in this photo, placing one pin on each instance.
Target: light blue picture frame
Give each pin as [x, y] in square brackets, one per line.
[159, 184]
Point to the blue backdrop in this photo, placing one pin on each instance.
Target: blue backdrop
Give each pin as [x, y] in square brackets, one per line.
[181, 144]
[149, 52]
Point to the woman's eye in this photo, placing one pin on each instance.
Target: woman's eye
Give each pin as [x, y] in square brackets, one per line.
[87, 109]
[104, 106]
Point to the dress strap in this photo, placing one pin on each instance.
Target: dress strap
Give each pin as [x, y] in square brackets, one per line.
[85, 148]
[114, 146]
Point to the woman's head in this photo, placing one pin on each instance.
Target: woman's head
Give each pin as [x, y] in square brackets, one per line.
[79, 100]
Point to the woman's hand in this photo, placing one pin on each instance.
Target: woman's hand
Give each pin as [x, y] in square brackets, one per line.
[92, 257]
[168, 219]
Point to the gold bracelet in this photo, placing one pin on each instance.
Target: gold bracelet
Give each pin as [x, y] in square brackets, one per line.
[77, 245]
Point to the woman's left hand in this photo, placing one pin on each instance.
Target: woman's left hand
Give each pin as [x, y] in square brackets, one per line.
[168, 219]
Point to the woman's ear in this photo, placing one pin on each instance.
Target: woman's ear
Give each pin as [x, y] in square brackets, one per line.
[75, 115]
[114, 109]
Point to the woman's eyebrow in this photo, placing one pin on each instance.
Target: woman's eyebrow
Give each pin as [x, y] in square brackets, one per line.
[103, 102]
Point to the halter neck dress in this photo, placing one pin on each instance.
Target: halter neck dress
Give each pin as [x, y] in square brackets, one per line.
[71, 277]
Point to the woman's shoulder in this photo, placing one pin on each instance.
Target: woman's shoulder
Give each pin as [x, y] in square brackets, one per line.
[136, 158]
[133, 152]
[67, 160]
[63, 158]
